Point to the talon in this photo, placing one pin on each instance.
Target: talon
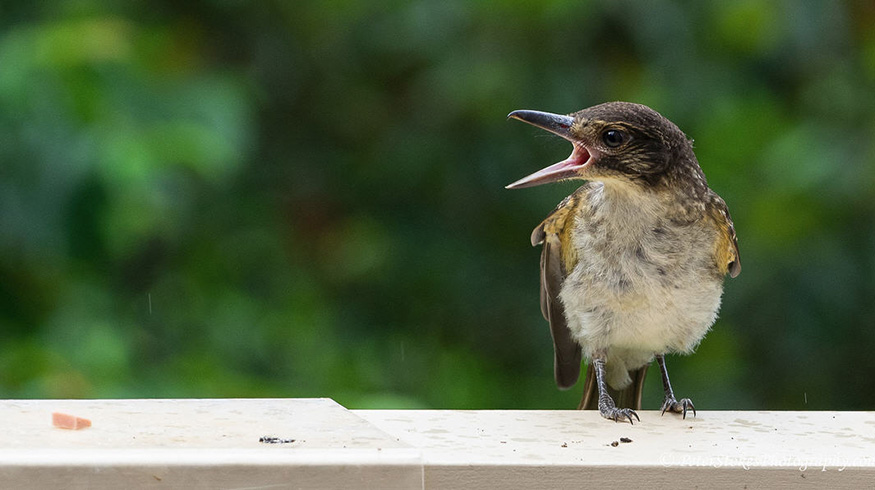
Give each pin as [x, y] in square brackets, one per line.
[617, 414]
[682, 406]
[628, 412]
[688, 404]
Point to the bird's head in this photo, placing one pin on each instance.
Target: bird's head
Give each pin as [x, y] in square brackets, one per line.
[612, 141]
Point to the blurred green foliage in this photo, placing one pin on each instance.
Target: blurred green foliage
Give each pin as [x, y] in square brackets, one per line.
[302, 199]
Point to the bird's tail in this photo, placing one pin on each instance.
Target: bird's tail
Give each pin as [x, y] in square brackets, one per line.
[628, 397]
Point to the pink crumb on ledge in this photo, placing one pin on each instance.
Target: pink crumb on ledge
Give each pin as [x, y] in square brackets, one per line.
[65, 421]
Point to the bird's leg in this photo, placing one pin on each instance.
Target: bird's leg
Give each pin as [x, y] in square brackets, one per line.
[671, 403]
[607, 408]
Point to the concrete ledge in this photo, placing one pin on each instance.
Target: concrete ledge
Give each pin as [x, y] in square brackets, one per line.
[572, 449]
[216, 444]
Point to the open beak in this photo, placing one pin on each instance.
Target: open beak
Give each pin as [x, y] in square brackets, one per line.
[561, 126]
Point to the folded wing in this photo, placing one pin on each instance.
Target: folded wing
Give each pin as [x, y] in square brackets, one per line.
[555, 262]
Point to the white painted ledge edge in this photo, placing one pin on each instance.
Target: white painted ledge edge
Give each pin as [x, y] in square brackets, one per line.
[215, 444]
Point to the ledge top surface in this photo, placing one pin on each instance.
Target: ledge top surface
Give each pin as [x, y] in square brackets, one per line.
[713, 438]
[319, 431]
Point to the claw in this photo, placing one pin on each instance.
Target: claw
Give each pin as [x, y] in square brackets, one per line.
[682, 406]
[688, 404]
[617, 414]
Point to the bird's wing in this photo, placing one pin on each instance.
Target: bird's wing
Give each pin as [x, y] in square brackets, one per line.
[726, 253]
[555, 264]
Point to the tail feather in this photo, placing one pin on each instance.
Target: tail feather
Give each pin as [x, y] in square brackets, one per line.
[628, 397]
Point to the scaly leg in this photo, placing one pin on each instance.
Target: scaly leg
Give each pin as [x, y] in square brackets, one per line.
[671, 403]
[607, 408]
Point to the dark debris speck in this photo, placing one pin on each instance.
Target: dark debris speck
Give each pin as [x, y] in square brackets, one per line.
[275, 440]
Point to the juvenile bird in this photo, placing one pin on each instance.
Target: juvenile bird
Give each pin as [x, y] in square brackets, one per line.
[632, 262]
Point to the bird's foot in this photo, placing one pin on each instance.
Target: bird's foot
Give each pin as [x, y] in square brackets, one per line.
[678, 406]
[610, 411]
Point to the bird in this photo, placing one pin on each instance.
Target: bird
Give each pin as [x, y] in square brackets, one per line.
[632, 262]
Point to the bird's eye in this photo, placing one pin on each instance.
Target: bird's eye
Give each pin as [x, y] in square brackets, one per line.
[614, 138]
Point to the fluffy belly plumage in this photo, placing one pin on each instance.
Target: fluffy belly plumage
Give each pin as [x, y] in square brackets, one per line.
[630, 326]
[651, 317]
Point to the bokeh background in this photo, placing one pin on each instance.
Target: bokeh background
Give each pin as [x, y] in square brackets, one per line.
[306, 199]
